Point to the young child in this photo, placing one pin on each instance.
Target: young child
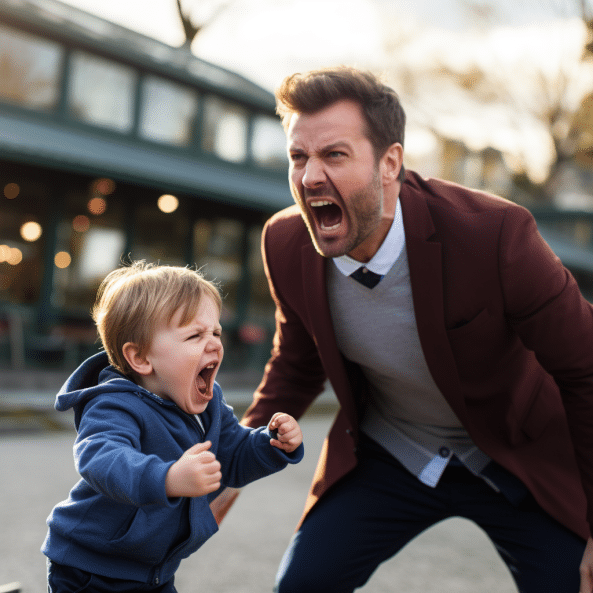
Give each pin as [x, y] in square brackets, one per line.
[156, 440]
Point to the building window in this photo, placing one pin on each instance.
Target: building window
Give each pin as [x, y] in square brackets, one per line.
[218, 251]
[168, 111]
[102, 92]
[161, 229]
[225, 130]
[90, 244]
[261, 306]
[29, 69]
[268, 145]
[23, 233]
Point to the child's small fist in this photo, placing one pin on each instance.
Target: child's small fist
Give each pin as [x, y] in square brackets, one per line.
[289, 435]
[195, 473]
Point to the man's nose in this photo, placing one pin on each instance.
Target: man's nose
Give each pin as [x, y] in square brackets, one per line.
[314, 173]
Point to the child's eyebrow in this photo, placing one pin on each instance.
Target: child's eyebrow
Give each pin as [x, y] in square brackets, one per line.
[201, 327]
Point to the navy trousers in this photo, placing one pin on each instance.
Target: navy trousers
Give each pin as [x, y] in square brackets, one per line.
[379, 507]
[66, 579]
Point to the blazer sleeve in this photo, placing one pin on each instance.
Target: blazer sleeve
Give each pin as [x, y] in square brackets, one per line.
[547, 310]
[294, 375]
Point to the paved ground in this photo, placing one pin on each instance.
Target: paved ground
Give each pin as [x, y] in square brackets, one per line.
[37, 471]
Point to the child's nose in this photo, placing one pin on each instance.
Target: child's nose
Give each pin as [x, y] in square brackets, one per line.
[214, 344]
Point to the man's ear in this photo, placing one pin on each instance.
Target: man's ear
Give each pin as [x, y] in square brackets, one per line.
[391, 163]
[137, 361]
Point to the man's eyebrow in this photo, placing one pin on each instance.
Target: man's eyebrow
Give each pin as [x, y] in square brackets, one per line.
[324, 149]
[334, 145]
[293, 148]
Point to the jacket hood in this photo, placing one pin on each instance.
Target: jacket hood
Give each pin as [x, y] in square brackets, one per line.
[94, 376]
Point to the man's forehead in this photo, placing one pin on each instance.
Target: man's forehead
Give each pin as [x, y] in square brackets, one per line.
[337, 123]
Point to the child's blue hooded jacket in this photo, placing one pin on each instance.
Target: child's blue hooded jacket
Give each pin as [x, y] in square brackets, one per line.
[118, 522]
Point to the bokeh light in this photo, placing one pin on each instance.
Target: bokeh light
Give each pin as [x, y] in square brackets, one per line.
[11, 191]
[16, 256]
[168, 203]
[81, 223]
[104, 186]
[97, 206]
[31, 231]
[10, 255]
[62, 259]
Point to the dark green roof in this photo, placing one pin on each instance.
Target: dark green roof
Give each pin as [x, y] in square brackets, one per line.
[54, 18]
[48, 143]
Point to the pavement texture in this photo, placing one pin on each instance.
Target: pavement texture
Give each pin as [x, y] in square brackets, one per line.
[37, 471]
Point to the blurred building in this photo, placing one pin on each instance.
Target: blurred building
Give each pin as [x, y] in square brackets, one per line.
[565, 218]
[115, 145]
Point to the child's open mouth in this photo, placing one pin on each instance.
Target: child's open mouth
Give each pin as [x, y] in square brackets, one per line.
[204, 380]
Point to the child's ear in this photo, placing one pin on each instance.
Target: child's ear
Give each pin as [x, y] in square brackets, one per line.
[139, 363]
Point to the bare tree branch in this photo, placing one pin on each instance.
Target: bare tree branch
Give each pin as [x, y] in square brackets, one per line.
[192, 30]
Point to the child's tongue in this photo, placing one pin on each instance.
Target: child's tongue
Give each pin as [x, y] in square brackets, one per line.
[201, 384]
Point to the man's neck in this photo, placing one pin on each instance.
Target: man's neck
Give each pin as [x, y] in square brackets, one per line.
[387, 253]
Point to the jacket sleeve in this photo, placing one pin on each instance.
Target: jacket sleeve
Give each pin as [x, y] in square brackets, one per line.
[108, 456]
[246, 454]
[546, 309]
[294, 375]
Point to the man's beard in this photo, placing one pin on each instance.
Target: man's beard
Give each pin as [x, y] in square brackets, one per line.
[366, 209]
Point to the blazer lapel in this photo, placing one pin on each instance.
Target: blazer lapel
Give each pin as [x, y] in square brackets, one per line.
[426, 277]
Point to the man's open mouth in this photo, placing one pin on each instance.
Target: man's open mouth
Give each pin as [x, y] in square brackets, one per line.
[327, 214]
[205, 379]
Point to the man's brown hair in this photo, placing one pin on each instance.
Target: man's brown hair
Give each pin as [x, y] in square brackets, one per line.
[134, 298]
[313, 91]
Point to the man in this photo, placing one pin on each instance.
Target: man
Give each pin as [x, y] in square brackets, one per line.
[464, 370]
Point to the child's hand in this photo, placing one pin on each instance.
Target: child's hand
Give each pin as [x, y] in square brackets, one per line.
[289, 432]
[195, 473]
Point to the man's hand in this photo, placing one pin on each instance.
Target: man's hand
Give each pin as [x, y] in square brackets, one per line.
[586, 569]
[289, 432]
[222, 504]
[196, 473]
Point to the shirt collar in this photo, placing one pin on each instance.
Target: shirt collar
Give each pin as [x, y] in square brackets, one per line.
[387, 254]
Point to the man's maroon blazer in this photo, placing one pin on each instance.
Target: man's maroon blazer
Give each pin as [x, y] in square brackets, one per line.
[505, 331]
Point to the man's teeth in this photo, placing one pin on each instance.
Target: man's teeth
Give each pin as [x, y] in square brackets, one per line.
[319, 204]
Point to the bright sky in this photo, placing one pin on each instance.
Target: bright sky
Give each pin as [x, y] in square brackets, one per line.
[267, 39]
[262, 39]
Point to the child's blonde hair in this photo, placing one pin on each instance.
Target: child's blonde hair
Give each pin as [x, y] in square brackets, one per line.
[134, 298]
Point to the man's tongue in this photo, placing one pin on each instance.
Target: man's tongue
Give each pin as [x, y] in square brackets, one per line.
[328, 216]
